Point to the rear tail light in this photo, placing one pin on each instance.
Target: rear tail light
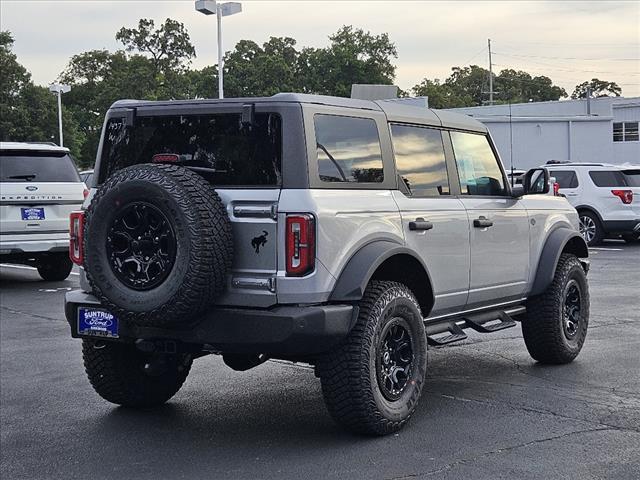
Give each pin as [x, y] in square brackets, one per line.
[76, 234]
[556, 188]
[301, 244]
[85, 193]
[625, 195]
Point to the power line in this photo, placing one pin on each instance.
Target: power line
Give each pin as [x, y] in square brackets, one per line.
[475, 55]
[575, 70]
[571, 58]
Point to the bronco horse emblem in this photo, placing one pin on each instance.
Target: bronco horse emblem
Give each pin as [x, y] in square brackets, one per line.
[259, 241]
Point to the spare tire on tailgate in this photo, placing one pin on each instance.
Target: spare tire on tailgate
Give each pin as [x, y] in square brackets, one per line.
[157, 244]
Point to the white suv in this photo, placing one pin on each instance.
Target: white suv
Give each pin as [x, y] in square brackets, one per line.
[607, 198]
[39, 188]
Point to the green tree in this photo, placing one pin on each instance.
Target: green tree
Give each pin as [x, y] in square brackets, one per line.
[254, 70]
[441, 95]
[29, 113]
[599, 88]
[469, 86]
[516, 86]
[169, 45]
[354, 56]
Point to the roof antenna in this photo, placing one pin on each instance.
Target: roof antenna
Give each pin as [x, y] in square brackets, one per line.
[511, 144]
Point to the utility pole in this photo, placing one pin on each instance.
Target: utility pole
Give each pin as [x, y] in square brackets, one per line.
[490, 74]
[588, 100]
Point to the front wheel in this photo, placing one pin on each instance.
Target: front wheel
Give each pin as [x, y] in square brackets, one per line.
[55, 268]
[123, 375]
[372, 382]
[555, 325]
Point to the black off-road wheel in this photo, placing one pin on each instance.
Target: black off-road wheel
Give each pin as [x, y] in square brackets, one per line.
[123, 375]
[55, 267]
[157, 244]
[555, 324]
[372, 382]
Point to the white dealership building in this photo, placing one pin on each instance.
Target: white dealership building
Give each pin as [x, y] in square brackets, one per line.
[599, 130]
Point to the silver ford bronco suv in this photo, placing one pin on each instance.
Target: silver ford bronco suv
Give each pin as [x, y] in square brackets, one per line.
[347, 234]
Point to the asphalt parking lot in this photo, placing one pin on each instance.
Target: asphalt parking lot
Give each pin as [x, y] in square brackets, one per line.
[488, 411]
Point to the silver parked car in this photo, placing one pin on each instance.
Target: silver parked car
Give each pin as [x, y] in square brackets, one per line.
[348, 234]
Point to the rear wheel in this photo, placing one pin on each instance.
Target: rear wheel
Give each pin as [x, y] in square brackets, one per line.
[591, 228]
[55, 268]
[123, 375]
[555, 325]
[372, 382]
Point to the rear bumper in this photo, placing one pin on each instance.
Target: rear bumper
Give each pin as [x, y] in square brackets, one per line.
[622, 226]
[34, 243]
[277, 331]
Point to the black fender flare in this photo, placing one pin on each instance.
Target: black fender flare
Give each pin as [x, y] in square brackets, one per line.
[553, 248]
[355, 276]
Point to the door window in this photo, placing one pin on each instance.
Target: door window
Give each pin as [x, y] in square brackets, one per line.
[420, 160]
[348, 149]
[478, 167]
[565, 178]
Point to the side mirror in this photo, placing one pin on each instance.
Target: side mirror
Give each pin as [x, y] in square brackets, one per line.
[536, 182]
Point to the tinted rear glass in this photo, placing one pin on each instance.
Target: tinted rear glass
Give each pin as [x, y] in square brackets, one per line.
[235, 154]
[608, 178]
[632, 177]
[348, 149]
[37, 167]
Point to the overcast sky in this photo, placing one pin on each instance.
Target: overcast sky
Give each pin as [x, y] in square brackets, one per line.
[569, 41]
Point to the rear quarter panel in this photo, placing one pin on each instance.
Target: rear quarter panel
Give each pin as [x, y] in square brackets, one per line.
[346, 220]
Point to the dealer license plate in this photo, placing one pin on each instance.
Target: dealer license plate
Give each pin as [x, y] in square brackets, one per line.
[97, 323]
[32, 213]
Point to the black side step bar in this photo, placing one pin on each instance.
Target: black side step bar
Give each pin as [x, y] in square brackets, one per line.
[450, 330]
[455, 335]
[490, 322]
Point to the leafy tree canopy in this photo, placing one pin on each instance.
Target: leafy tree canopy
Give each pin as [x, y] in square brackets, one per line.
[599, 88]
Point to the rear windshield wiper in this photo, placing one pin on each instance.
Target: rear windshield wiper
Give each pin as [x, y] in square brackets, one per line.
[27, 177]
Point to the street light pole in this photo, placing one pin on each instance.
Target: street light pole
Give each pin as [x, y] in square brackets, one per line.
[220, 53]
[210, 7]
[59, 89]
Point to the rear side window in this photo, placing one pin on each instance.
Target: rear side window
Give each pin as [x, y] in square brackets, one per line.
[232, 153]
[20, 166]
[478, 167]
[608, 178]
[565, 178]
[348, 149]
[632, 177]
[420, 160]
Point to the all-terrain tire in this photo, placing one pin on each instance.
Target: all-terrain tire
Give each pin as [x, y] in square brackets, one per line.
[55, 268]
[351, 374]
[544, 326]
[591, 219]
[116, 372]
[202, 246]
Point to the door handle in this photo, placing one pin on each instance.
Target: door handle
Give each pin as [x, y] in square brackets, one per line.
[420, 224]
[482, 222]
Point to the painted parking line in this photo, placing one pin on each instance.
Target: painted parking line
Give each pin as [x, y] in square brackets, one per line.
[24, 267]
[606, 249]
